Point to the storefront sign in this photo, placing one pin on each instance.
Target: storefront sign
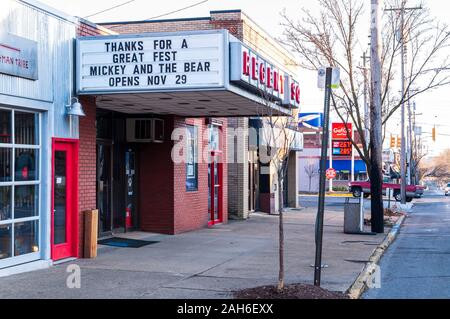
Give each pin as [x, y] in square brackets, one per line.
[151, 63]
[341, 131]
[342, 148]
[311, 120]
[258, 74]
[18, 56]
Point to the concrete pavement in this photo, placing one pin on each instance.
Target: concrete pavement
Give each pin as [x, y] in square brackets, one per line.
[208, 263]
[417, 265]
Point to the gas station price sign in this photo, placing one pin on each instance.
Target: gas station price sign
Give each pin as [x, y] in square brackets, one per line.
[342, 148]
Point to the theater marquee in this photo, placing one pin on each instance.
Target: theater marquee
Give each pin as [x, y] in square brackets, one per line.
[150, 63]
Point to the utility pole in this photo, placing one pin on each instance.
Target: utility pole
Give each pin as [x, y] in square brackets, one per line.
[365, 58]
[402, 10]
[376, 136]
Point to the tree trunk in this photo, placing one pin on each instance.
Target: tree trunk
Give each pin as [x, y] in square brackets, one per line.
[376, 136]
[281, 235]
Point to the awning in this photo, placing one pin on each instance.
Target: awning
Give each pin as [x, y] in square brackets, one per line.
[345, 166]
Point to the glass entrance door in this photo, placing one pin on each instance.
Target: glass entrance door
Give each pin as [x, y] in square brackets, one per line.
[104, 187]
[252, 180]
[215, 189]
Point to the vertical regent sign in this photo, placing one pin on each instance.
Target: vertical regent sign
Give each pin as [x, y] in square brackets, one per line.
[151, 63]
[251, 71]
[18, 56]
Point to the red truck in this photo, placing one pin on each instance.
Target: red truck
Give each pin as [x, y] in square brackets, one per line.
[412, 191]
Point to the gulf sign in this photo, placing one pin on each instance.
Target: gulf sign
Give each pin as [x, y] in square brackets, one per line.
[250, 70]
[339, 131]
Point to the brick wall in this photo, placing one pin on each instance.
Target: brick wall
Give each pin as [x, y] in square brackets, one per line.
[87, 199]
[87, 164]
[156, 191]
[191, 208]
[231, 21]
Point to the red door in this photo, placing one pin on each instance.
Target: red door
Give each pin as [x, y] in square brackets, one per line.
[215, 177]
[64, 199]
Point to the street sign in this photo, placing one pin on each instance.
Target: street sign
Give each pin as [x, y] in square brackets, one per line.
[335, 78]
[330, 173]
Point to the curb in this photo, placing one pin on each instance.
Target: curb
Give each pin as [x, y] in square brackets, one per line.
[360, 285]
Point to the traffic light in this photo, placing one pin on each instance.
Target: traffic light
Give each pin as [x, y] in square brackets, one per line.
[399, 142]
[433, 134]
[392, 142]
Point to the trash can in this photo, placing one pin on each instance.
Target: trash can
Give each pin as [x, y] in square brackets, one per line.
[352, 217]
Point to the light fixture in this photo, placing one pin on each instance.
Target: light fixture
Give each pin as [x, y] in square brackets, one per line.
[75, 108]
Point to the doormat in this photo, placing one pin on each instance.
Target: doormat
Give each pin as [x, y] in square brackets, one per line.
[125, 242]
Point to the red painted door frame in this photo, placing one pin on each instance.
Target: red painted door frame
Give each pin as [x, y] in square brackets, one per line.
[70, 248]
[213, 186]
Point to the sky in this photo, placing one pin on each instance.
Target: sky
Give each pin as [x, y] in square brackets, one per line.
[432, 108]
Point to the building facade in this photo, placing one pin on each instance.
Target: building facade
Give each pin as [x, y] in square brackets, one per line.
[147, 122]
[38, 140]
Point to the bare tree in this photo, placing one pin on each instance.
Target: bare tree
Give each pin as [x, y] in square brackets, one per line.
[311, 170]
[277, 135]
[331, 39]
[438, 167]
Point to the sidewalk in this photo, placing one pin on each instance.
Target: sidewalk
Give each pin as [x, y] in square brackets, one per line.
[208, 263]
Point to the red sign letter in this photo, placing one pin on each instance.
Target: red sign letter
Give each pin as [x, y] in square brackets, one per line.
[246, 63]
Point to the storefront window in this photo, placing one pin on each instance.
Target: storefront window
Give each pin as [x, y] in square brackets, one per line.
[214, 142]
[26, 165]
[5, 203]
[5, 126]
[5, 164]
[25, 201]
[26, 127]
[26, 238]
[191, 159]
[5, 241]
[19, 185]
[343, 176]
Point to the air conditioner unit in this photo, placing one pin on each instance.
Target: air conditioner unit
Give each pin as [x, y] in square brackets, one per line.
[145, 130]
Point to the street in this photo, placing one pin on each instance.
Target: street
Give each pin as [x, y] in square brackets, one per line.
[417, 264]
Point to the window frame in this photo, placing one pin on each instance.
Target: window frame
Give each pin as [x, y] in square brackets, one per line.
[191, 145]
[12, 222]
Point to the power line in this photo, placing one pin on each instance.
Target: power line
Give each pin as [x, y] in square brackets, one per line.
[109, 9]
[168, 13]
[178, 10]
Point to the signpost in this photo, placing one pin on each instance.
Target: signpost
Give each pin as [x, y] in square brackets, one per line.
[323, 163]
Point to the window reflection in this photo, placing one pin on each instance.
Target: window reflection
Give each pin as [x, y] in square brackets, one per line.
[26, 238]
[5, 126]
[5, 241]
[26, 128]
[25, 201]
[5, 203]
[26, 165]
[5, 164]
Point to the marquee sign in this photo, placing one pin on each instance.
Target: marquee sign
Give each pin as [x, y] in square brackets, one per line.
[18, 56]
[150, 62]
[253, 72]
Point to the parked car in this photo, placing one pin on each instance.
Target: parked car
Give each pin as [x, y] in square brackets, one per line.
[419, 191]
[447, 189]
[356, 188]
